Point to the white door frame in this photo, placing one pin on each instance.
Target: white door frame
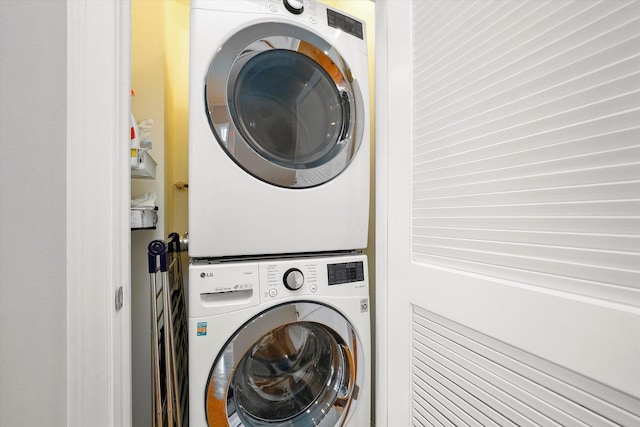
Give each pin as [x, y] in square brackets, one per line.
[98, 197]
[381, 197]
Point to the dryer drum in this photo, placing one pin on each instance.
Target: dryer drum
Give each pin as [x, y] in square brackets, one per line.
[286, 109]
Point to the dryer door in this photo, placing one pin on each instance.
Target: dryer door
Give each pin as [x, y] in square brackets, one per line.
[284, 105]
[294, 365]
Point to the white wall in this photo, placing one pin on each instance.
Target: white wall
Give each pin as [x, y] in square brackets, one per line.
[33, 315]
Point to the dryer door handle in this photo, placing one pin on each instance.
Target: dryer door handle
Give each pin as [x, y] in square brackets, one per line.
[346, 115]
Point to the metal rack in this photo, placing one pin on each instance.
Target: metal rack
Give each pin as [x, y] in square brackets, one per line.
[169, 349]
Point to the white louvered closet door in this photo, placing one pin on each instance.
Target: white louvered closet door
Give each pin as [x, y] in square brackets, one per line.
[509, 213]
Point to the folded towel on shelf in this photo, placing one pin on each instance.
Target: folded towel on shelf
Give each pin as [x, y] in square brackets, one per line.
[144, 201]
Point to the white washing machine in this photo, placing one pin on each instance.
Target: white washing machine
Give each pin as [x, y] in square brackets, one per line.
[282, 342]
[278, 128]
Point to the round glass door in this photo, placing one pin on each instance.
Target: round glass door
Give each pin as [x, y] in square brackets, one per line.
[284, 368]
[285, 108]
[288, 109]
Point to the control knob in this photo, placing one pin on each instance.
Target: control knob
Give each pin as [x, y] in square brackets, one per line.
[293, 279]
[294, 6]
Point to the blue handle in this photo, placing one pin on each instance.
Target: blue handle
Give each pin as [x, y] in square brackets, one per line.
[157, 248]
[174, 243]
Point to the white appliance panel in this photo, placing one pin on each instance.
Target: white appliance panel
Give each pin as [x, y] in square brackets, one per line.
[231, 211]
[332, 295]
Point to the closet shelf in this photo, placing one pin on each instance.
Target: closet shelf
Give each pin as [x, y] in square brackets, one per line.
[144, 219]
[142, 164]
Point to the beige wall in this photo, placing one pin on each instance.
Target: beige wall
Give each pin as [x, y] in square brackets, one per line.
[176, 16]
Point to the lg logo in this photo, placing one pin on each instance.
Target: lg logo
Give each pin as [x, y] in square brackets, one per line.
[203, 275]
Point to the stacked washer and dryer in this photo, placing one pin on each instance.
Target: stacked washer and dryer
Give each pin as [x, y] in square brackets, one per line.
[279, 321]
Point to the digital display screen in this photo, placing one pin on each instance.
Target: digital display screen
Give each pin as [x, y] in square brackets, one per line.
[345, 23]
[346, 272]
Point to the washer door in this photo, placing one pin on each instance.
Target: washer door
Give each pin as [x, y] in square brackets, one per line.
[284, 105]
[293, 365]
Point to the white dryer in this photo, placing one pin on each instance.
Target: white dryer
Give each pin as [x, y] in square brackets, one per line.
[282, 342]
[278, 128]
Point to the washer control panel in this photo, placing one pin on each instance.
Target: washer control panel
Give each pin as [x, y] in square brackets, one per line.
[331, 276]
[285, 278]
[223, 286]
